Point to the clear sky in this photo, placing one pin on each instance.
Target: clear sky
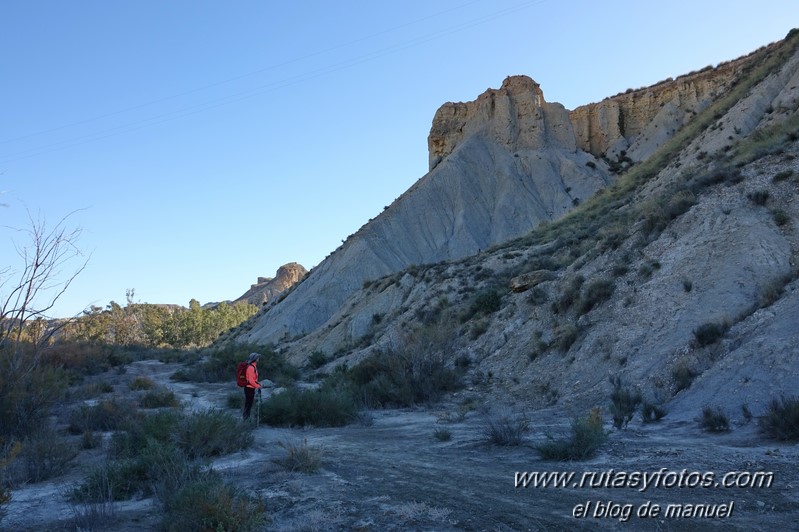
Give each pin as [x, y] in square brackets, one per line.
[204, 144]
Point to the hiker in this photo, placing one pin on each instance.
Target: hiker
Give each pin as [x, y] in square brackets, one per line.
[252, 383]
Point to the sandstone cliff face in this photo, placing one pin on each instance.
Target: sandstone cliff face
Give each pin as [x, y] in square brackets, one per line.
[639, 121]
[500, 165]
[266, 288]
[515, 116]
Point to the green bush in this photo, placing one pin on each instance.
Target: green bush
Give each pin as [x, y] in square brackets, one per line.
[402, 378]
[326, 406]
[683, 375]
[652, 412]
[142, 383]
[317, 360]
[442, 434]
[211, 432]
[116, 480]
[596, 293]
[780, 217]
[484, 303]
[587, 436]
[714, 420]
[570, 295]
[709, 333]
[162, 398]
[206, 503]
[565, 335]
[26, 396]
[781, 420]
[45, 455]
[624, 402]
[106, 415]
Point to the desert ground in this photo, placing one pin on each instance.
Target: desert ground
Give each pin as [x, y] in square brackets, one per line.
[390, 472]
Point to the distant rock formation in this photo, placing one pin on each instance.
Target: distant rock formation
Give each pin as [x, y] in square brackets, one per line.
[266, 288]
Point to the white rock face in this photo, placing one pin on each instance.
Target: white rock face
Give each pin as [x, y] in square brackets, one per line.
[499, 166]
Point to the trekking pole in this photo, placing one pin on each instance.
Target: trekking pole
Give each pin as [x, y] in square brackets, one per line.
[258, 414]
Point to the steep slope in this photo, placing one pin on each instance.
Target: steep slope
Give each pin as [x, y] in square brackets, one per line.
[514, 164]
[681, 277]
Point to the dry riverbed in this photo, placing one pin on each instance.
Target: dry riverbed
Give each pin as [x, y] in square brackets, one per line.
[390, 472]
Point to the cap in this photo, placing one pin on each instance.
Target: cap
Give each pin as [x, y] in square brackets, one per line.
[253, 357]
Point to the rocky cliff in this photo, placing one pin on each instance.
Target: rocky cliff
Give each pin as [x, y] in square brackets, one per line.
[499, 166]
[267, 288]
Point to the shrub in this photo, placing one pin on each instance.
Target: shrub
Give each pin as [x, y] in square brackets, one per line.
[300, 457]
[142, 383]
[317, 360]
[570, 295]
[408, 377]
[235, 400]
[565, 335]
[782, 176]
[709, 333]
[323, 407]
[683, 375]
[104, 416]
[781, 420]
[504, 427]
[26, 396]
[116, 480]
[759, 197]
[587, 436]
[90, 440]
[442, 434]
[596, 293]
[780, 217]
[205, 502]
[211, 432]
[652, 412]
[159, 399]
[624, 401]
[714, 420]
[45, 455]
[679, 203]
[485, 302]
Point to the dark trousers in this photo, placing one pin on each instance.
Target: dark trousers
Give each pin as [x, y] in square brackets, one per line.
[249, 397]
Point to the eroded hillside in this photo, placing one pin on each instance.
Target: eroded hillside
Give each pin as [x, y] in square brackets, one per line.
[680, 270]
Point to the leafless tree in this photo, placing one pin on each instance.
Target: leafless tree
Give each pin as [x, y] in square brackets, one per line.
[47, 269]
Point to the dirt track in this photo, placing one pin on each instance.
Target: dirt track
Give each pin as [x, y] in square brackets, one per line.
[395, 475]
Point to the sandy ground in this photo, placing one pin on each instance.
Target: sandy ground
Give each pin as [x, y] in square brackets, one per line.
[393, 474]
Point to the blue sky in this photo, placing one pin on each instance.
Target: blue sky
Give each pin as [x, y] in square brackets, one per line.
[203, 144]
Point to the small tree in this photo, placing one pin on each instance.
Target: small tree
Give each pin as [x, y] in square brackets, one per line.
[27, 295]
[33, 290]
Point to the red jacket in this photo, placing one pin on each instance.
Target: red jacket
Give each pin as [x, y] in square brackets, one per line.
[252, 376]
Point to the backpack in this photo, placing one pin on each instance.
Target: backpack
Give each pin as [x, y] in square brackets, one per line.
[241, 374]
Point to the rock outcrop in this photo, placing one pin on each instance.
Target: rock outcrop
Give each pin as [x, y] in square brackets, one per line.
[267, 288]
[634, 124]
[499, 166]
